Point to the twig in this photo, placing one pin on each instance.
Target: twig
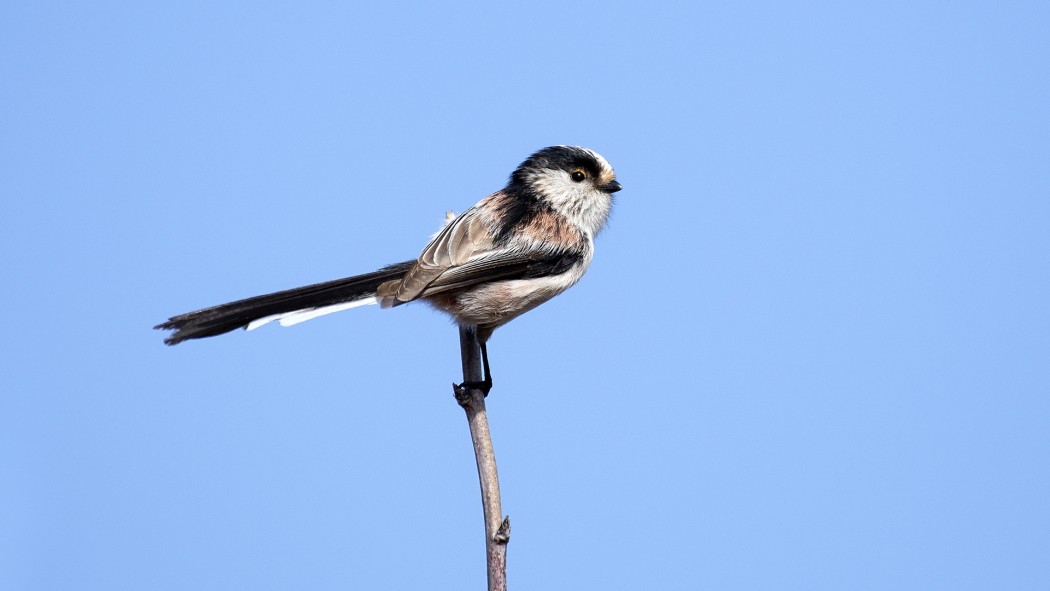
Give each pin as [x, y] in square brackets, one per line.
[497, 527]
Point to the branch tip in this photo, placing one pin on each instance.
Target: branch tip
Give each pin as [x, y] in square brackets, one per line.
[503, 533]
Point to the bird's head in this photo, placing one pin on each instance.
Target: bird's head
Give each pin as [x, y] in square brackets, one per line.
[575, 181]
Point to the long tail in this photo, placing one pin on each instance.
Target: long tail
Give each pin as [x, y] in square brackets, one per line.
[291, 306]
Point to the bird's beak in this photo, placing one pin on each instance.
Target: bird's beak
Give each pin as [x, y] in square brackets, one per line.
[611, 187]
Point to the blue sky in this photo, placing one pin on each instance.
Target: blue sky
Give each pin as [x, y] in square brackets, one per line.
[811, 352]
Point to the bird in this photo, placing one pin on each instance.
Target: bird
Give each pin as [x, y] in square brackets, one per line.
[512, 251]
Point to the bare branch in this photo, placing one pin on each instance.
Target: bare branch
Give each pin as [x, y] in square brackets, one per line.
[497, 527]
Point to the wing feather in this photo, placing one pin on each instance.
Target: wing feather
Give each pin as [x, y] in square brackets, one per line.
[465, 253]
[502, 265]
[455, 245]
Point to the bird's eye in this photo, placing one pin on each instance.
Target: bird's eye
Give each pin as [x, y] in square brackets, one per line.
[578, 175]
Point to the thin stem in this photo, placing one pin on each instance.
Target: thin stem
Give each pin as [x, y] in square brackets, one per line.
[497, 527]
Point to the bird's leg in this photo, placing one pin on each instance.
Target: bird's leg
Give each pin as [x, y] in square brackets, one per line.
[486, 384]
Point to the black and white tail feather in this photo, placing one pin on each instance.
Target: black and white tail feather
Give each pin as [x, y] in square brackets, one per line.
[287, 307]
[514, 250]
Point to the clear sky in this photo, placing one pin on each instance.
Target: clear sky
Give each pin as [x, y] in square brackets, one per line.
[812, 352]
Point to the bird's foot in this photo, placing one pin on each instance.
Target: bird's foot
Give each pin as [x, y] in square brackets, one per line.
[461, 390]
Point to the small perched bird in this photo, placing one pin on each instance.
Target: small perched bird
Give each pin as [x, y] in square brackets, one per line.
[514, 250]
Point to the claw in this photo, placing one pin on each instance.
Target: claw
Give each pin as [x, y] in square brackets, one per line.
[484, 386]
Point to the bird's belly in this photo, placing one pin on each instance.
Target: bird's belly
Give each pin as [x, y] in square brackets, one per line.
[499, 302]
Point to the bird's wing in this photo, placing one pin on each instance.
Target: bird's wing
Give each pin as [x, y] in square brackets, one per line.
[459, 241]
[502, 264]
[464, 253]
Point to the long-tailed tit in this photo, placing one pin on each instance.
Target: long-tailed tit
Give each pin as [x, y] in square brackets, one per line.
[514, 250]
